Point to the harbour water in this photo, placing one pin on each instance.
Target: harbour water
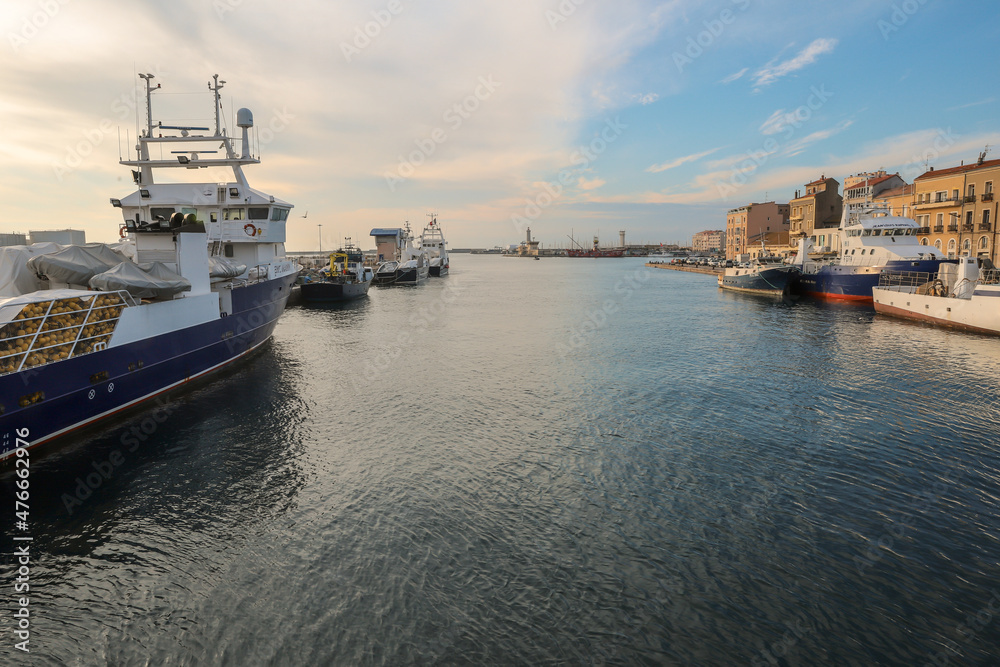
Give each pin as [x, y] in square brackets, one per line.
[569, 461]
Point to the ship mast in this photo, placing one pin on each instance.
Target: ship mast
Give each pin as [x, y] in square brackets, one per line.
[215, 89]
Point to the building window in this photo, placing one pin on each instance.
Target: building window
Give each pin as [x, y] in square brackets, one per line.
[972, 189]
[984, 243]
[968, 218]
[940, 219]
[937, 244]
[989, 187]
[923, 241]
[986, 217]
[954, 194]
[967, 246]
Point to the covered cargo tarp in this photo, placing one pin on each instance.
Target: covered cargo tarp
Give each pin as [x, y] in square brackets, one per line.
[15, 276]
[75, 264]
[221, 268]
[157, 282]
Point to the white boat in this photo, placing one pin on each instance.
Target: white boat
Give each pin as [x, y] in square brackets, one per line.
[962, 296]
[432, 240]
[86, 332]
[403, 263]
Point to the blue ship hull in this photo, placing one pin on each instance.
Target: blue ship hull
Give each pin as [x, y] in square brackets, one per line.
[855, 283]
[764, 281]
[80, 391]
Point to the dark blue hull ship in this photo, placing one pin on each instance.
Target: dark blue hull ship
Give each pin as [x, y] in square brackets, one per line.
[760, 279]
[872, 240]
[855, 283]
[198, 282]
[54, 399]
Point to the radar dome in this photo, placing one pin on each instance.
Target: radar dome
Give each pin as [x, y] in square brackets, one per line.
[244, 118]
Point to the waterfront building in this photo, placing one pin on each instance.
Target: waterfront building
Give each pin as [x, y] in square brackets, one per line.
[899, 200]
[746, 225]
[817, 210]
[862, 189]
[776, 244]
[956, 209]
[709, 241]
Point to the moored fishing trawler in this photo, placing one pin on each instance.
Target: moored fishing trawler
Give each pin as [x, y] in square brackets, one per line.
[400, 262]
[765, 275]
[200, 281]
[872, 240]
[346, 277]
[432, 240]
[961, 296]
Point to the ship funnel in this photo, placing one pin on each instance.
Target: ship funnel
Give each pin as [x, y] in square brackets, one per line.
[244, 119]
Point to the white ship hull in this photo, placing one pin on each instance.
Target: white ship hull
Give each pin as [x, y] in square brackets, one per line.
[981, 313]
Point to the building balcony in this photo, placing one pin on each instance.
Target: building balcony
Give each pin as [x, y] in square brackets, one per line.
[952, 228]
[970, 199]
[968, 227]
[988, 196]
[985, 226]
[924, 230]
[937, 204]
[939, 229]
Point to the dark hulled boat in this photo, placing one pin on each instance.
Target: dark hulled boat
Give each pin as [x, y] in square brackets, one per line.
[345, 278]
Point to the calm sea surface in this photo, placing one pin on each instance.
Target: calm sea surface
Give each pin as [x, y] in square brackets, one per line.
[565, 461]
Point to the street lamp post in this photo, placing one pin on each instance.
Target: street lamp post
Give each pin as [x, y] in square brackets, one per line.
[320, 229]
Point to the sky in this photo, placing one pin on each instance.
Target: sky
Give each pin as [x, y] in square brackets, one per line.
[569, 117]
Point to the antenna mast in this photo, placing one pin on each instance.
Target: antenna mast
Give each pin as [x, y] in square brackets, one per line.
[215, 89]
[148, 78]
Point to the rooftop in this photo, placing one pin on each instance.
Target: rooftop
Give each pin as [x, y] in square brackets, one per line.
[932, 173]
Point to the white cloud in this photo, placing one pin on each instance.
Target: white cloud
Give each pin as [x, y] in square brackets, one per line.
[800, 145]
[591, 184]
[664, 166]
[647, 98]
[734, 76]
[771, 72]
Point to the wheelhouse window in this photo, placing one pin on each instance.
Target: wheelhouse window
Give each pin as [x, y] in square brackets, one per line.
[279, 214]
[257, 213]
[233, 214]
[161, 212]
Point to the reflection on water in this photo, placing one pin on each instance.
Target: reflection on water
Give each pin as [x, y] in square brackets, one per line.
[569, 461]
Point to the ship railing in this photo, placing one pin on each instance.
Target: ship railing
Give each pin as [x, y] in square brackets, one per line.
[903, 280]
[989, 276]
[42, 332]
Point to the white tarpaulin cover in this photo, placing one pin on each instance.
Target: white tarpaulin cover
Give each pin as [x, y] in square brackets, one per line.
[75, 264]
[157, 282]
[15, 276]
[220, 267]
